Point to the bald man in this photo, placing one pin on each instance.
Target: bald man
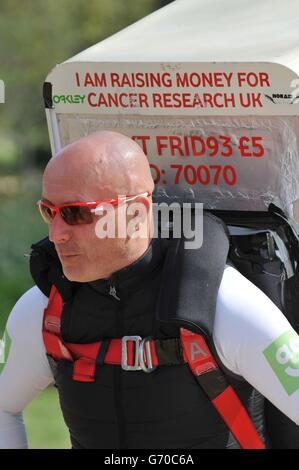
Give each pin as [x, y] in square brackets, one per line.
[90, 324]
[99, 167]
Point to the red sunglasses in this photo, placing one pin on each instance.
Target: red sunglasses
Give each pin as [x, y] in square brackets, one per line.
[79, 213]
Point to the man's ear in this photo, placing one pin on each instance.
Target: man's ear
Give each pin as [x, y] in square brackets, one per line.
[139, 218]
[139, 209]
[146, 201]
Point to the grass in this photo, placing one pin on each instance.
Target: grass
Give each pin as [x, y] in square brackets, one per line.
[20, 226]
[44, 423]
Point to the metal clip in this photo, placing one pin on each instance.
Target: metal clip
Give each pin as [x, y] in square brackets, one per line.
[143, 356]
[124, 353]
[145, 353]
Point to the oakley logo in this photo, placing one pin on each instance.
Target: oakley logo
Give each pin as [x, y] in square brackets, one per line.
[196, 350]
[283, 357]
[69, 99]
[2, 92]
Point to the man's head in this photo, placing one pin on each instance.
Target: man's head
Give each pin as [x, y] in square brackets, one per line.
[101, 166]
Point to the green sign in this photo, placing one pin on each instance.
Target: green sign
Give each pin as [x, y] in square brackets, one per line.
[283, 357]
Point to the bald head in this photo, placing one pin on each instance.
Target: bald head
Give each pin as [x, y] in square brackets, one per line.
[106, 164]
[99, 167]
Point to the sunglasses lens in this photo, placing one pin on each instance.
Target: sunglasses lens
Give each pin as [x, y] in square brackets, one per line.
[76, 215]
[46, 213]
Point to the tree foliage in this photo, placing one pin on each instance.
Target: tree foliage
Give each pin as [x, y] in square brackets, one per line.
[35, 35]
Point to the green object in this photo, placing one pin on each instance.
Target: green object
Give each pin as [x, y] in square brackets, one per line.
[3, 321]
[44, 422]
[5, 343]
[283, 357]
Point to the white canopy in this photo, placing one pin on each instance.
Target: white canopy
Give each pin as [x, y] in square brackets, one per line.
[208, 31]
[208, 88]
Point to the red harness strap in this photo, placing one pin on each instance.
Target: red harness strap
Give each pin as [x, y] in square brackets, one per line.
[196, 353]
[51, 327]
[84, 357]
[221, 394]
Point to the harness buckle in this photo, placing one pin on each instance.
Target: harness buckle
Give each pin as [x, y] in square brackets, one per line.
[142, 355]
[124, 352]
[145, 353]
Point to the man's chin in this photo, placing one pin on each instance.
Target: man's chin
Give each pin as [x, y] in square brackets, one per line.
[75, 276]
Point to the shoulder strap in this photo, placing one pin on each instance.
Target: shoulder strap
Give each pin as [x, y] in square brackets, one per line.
[191, 278]
[51, 327]
[221, 394]
[52, 317]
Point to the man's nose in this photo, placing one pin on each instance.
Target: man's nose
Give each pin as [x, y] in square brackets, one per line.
[59, 231]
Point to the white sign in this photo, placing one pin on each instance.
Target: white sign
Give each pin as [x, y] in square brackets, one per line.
[241, 163]
[176, 89]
